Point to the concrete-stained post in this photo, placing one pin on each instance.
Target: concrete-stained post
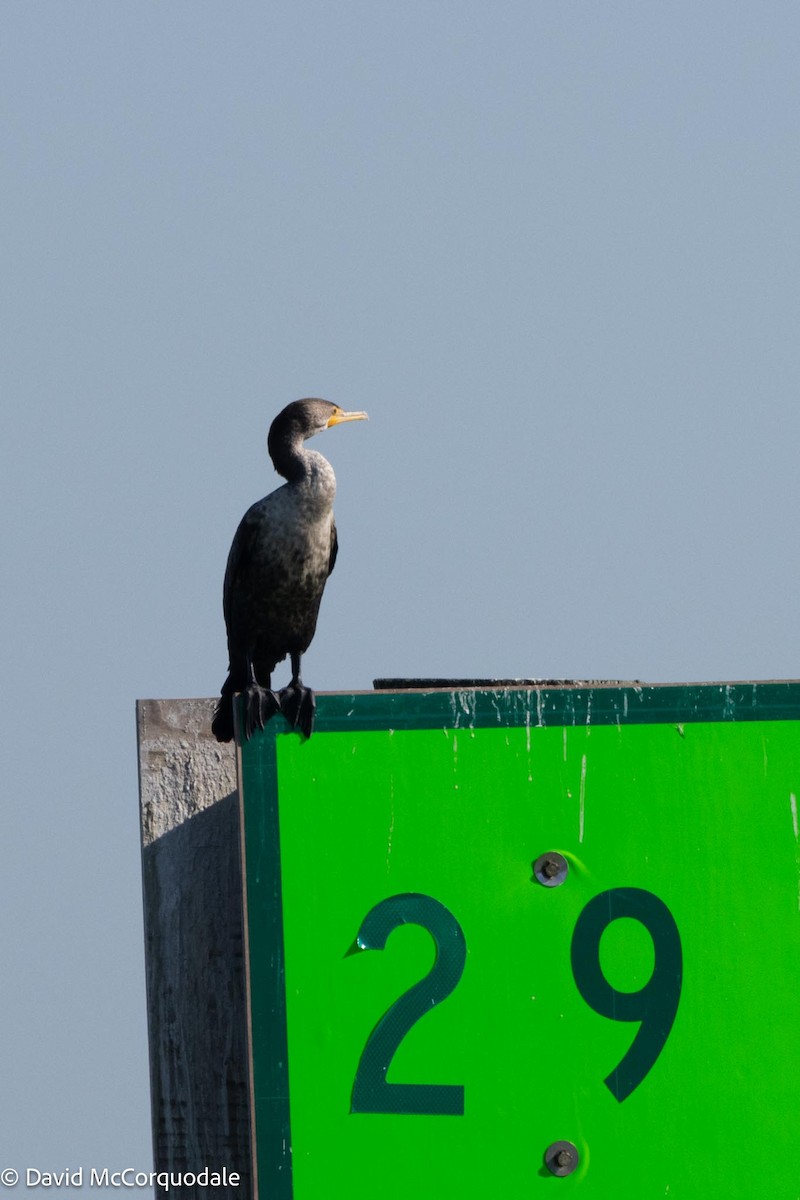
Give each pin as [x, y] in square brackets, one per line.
[193, 947]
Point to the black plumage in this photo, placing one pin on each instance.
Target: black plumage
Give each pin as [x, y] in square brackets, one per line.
[281, 557]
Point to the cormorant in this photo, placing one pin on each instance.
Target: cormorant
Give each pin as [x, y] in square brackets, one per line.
[279, 562]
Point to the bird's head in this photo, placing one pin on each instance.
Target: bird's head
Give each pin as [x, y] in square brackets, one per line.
[303, 418]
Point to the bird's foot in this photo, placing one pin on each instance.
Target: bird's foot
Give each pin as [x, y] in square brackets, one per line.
[259, 705]
[298, 705]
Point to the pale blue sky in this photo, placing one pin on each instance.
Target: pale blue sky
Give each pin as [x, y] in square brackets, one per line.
[552, 248]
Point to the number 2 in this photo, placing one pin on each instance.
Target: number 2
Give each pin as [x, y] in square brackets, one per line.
[371, 1091]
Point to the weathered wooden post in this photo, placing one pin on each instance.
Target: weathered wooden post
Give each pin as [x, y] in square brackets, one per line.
[193, 948]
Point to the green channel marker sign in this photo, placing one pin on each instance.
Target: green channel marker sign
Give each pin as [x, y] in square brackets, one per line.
[527, 943]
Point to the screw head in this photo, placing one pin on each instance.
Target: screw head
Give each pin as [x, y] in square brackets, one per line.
[551, 869]
[561, 1158]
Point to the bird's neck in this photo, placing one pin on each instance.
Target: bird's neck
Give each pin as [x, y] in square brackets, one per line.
[291, 459]
[305, 468]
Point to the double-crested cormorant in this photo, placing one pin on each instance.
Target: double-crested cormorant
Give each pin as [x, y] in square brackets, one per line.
[281, 557]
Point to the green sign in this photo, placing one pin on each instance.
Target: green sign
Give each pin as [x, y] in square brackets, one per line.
[505, 942]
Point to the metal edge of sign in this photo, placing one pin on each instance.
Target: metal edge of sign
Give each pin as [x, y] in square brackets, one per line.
[270, 1138]
[582, 704]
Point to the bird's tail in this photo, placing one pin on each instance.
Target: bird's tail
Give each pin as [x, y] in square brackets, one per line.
[222, 723]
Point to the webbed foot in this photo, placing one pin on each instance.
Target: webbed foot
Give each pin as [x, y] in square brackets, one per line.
[259, 705]
[298, 704]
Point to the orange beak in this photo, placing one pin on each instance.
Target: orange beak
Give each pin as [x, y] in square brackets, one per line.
[339, 415]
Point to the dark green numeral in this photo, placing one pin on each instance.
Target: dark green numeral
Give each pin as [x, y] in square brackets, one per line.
[371, 1092]
[656, 1004]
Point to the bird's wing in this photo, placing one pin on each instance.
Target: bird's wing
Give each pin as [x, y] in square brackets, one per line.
[241, 551]
[334, 547]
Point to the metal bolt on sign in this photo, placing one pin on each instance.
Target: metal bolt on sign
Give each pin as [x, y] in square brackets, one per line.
[551, 869]
[561, 1158]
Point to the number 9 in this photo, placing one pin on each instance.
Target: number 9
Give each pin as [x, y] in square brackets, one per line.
[656, 1004]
